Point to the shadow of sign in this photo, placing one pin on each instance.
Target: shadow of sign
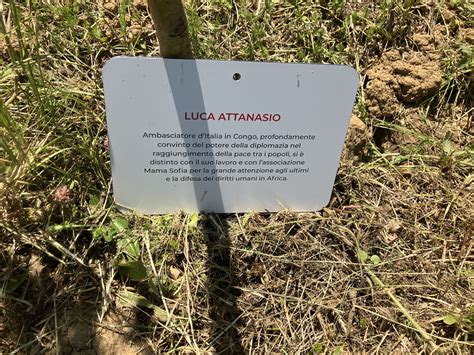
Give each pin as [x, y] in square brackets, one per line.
[185, 84]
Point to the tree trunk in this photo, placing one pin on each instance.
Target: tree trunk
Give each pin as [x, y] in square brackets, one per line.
[171, 28]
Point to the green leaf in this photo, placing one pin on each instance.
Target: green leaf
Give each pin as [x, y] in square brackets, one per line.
[318, 348]
[99, 232]
[450, 319]
[111, 232]
[375, 259]
[120, 224]
[363, 322]
[134, 270]
[173, 243]
[362, 255]
[193, 220]
[93, 200]
[246, 219]
[129, 246]
[447, 147]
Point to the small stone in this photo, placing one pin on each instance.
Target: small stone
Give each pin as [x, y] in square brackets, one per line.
[357, 123]
[174, 273]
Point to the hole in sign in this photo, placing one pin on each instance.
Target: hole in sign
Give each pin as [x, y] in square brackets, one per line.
[236, 76]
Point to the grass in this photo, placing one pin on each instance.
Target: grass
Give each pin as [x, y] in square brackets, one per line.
[386, 267]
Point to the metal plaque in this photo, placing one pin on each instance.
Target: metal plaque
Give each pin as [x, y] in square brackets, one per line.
[225, 136]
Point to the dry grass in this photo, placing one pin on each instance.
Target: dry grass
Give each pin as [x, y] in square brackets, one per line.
[386, 267]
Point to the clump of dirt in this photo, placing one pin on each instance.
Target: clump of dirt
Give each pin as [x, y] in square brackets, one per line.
[357, 138]
[431, 43]
[397, 80]
[467, 35]
[80, 331]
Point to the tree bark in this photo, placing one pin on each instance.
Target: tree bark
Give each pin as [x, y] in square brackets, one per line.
[171, 28]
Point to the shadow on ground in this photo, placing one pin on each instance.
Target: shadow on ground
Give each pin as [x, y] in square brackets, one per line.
[51, 307]
[222, 282]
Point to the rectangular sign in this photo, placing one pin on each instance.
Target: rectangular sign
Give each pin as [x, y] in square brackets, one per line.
[225, 136]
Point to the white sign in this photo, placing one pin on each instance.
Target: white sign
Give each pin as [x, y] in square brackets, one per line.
[225, 136]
